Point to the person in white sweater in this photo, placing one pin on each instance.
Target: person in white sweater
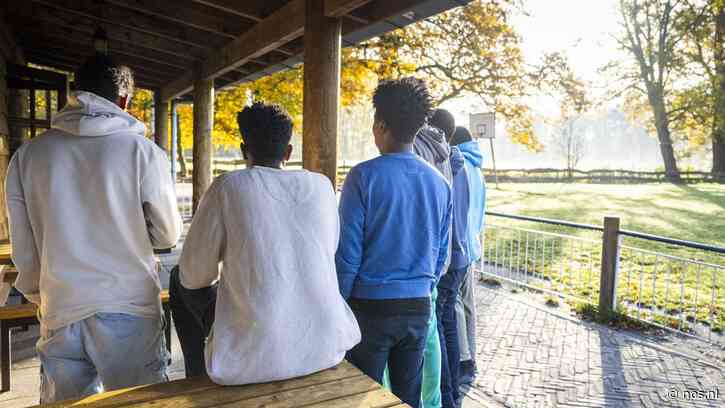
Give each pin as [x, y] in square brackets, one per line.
[273, 310]
[88, 201]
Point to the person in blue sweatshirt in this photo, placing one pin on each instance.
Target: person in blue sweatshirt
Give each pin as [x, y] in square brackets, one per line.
[473, 159]
[394, 214]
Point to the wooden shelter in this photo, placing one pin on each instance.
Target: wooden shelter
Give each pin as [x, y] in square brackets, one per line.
[188, 48]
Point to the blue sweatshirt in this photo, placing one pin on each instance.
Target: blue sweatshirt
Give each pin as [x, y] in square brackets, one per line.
[394, 224]
[477, 196]
[460, 252]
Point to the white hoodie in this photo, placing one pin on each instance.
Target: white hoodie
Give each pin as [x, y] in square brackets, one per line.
[279, 313]
[88, 200]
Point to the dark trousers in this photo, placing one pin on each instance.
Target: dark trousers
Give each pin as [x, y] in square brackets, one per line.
[193, 314]
[393, 333]
[448, 333]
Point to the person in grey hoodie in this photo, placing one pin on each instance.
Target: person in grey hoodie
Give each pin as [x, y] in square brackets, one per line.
[431, 144]
[88, 201]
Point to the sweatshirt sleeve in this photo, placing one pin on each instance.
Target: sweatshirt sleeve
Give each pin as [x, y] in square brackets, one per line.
[457, 160]
[205, 242]
[159, 203]
[443, 248]
[25, 253]
[352, 220]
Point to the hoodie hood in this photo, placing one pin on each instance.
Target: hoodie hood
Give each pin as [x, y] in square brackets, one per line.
[472, 153]
[430, 143]
[87, 114]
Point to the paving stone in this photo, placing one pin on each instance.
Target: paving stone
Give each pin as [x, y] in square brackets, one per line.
[570, 363]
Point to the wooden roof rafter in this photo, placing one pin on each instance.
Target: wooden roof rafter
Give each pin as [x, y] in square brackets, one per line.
[58, 19]
[282, 26]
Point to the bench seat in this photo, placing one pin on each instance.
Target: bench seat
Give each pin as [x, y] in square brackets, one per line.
[341, 386]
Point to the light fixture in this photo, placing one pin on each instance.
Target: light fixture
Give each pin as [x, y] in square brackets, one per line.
[100, 41]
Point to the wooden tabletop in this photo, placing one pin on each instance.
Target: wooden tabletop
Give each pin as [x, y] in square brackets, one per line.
[341, 386]
[5, 251]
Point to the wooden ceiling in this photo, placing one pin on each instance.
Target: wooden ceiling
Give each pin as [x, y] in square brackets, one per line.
[166, 42]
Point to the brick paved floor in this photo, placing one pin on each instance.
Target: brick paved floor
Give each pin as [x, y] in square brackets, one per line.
[534, 356]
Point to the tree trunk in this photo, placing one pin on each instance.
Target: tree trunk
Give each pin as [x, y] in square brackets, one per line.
[718, 123]
[179, 149]
[663, 135]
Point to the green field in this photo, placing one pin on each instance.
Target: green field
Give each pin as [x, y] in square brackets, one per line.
[668, 290]
[689, 212]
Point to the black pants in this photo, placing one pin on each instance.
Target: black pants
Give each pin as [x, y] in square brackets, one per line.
[393, 333]
[193, 314]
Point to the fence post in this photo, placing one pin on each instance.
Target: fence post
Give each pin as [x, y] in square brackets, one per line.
[610, 266]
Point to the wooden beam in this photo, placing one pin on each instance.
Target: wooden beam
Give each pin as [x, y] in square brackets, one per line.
[77, 56]
[338, 8]
[32, 14]
[238, 8]
[9, 49]
[321, 90]
[279, 28]
[188, 14]
[135, 21]
[203, 125]
[161, 122]
[51, 35]
[141, 81]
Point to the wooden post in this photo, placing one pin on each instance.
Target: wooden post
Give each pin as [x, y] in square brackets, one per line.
[321, 90]
[203, 125]
[161, 122]
[610, 266]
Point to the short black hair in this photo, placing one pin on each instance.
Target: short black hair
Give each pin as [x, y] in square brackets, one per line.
[101, 75]
[266, 130]
[460, 135]
[404, 105]
[443, 120]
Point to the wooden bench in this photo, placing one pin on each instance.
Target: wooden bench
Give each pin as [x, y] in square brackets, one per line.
[26, 314]
[341, 386]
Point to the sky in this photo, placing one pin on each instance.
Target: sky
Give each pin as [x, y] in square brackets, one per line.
[583, 29]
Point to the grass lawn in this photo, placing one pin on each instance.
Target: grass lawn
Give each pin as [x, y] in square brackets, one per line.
[667, 290]
[689, 212]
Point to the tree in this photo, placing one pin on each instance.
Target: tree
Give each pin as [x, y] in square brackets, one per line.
[651, 37]
[703, 104]
[471, 50]
[574, 102]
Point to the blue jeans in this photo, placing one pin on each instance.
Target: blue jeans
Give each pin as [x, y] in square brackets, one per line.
[393, 332]
[448, 331]
[104, 352]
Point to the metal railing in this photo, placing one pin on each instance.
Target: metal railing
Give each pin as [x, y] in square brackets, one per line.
[185, 207]
[679, 285]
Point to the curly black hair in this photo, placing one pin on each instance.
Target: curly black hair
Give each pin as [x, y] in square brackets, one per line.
[443, 120]
[404, 105]
[266, 130]
[101, 75]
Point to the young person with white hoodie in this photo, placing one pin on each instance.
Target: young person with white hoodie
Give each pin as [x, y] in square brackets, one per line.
[88, 201]
[273, 310]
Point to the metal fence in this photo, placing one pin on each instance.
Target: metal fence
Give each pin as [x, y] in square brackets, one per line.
[679, 286]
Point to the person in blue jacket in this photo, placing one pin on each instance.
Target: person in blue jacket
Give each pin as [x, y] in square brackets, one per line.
[394, 215]
[450, 283]
[473, 161]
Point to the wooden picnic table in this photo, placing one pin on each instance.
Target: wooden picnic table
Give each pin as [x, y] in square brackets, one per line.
[341, 386]
[5, 252]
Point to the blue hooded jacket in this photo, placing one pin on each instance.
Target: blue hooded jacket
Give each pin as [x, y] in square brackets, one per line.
[460, 249]
[477, 192]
